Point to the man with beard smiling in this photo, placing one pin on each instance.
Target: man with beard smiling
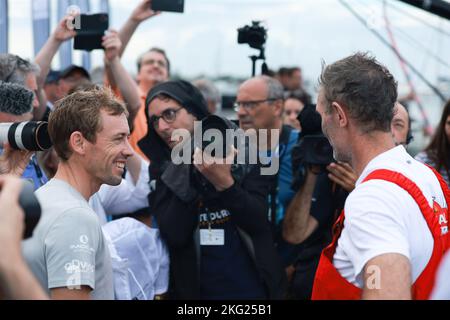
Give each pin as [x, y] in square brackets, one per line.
[67, 252]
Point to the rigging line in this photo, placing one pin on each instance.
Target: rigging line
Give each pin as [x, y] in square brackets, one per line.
[385, 42]
[413, 41]
[419, 45]
[428, 130]
[419, 19]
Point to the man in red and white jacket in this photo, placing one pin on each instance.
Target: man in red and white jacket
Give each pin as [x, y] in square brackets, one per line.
[393, 232]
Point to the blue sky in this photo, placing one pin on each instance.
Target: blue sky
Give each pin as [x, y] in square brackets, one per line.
[203, 40]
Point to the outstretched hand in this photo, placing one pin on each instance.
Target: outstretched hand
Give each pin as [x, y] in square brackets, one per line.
[112, 44]
[143, 11]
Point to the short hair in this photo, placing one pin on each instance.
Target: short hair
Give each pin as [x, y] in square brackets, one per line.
[275, 89]
[80, 111]
[365, 87]
[154, 49]
[283, 71]
[15, 99]
[14, 69]
[287, 71]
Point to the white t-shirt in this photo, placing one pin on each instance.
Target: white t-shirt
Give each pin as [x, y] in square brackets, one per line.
[381, 217]
[140, 260]
[68, 248]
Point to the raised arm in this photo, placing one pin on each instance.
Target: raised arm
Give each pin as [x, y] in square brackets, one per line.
[141, 13]
[298, 223]
[63, 32]
[123, 80]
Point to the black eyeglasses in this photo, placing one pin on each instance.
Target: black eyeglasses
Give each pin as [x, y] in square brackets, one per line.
[168, 115]
[250, 105]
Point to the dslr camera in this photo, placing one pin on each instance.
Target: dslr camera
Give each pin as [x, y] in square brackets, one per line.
[225, 127]
[255, 35]
[312, 147]
[186, 181]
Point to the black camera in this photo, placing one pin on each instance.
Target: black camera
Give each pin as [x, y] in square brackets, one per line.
[312, 148]
[31, 136]
[255, 35]
[228, 130]
[31, 208]
[186, 181]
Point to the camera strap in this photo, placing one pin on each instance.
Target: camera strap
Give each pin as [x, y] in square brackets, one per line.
[282, 147]
[37, 168]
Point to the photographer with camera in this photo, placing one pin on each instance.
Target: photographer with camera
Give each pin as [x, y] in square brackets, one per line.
[16, 107]
[312, 211]
[16, 280]
[224, 224]
[259, 106]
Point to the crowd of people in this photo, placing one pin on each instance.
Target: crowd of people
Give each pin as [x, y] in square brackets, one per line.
[121, 220]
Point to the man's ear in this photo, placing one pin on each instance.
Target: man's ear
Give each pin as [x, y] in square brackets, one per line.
[77, 143]
[278, 107]
[341, 113]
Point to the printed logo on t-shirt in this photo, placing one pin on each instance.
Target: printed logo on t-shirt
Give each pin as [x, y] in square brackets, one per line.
[84, 239]
[442, 213]
[78, 266]
[82, 245]
[216, 218]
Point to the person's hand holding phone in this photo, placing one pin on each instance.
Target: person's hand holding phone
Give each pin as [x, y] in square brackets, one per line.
[112, 44]
[65, 29]
[143, 11]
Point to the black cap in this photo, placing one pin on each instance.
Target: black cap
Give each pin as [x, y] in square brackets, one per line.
[53, 77]
[72, 68]
[183, 92]
[187, 96]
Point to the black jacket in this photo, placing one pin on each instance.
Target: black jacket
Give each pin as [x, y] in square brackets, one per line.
[178, 222]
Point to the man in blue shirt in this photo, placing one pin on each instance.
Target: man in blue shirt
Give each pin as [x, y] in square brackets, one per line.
[259, 106]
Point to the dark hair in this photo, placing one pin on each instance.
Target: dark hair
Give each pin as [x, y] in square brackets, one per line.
[438, 149]
[365, 87]
[154, 49]
[80, 111]
[15, 99]
[287, 71]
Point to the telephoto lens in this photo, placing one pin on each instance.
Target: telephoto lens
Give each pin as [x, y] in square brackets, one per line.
[31, 136]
